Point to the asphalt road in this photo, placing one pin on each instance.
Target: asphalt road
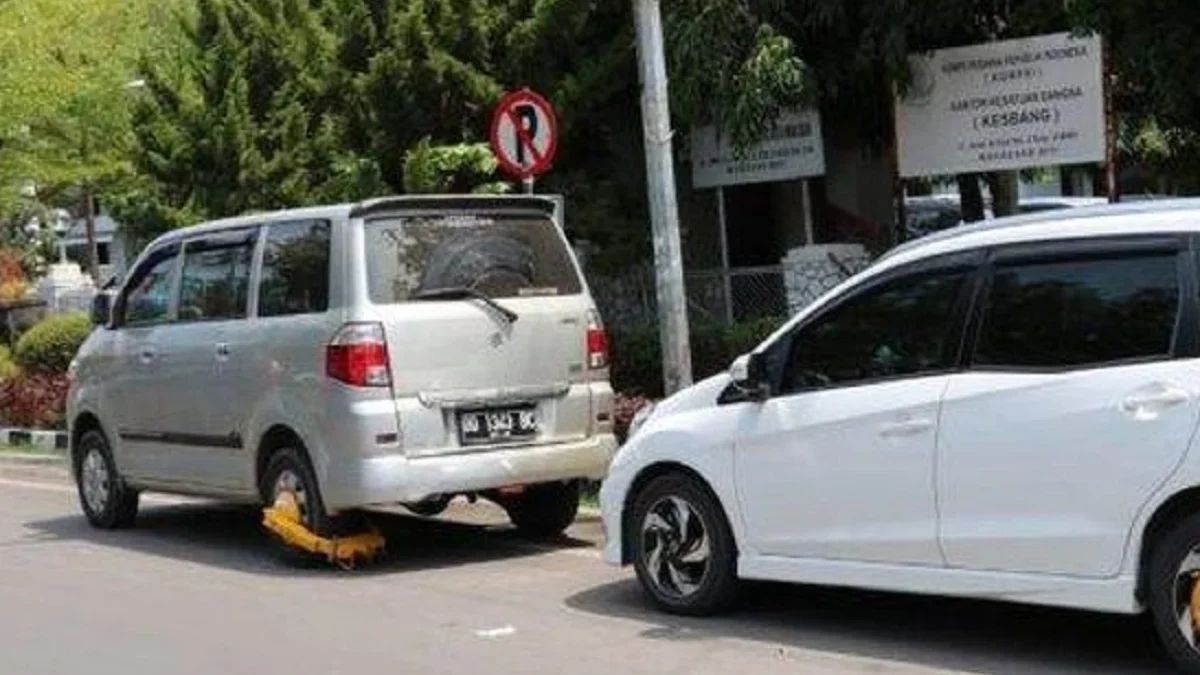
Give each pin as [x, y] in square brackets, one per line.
[193, 589]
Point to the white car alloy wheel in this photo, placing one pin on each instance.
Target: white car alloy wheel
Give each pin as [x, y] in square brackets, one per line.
[1173, 592]
[1186, 593]
[675, 545]
[683, 550]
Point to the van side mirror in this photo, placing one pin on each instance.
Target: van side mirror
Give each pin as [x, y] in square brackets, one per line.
[749, 375]
[102, 306]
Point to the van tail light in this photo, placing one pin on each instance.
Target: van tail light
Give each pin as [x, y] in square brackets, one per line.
[597, 343]
[358, 355]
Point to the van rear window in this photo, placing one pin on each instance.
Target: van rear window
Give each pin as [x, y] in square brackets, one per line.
[501, 256]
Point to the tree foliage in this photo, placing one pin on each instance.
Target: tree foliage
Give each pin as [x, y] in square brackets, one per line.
[276, 103]
[66, 67]
[466, 167]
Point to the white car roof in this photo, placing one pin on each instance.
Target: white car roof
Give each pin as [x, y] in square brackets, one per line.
[1175, 215]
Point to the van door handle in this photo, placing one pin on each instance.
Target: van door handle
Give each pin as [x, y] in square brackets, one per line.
[222, 351]
[147, 355]
[906, 428]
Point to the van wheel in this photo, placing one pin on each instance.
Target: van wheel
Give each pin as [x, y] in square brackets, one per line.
[544, 510]
[1174, 585]
[684, 553]
[107, 501]
[289, 471]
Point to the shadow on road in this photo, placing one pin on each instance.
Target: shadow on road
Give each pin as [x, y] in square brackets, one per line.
[973, 636]
[231, 537]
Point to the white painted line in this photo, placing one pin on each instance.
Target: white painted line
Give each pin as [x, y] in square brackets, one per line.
[31, 485]
[67, 489]
[493, 633]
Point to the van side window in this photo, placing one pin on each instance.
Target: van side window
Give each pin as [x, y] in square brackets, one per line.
[904, 327]
[1080, 312]
[216, 277]
[295, 269]
[147, 298]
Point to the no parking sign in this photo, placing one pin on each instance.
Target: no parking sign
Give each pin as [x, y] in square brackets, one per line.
[524, 134]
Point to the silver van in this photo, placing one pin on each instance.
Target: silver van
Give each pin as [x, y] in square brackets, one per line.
[402, 350]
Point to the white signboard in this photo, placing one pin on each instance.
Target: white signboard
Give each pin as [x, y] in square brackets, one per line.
[1003, 105]
[792, 149]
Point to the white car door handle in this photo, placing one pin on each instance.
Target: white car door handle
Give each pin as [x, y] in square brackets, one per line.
[1152, 400]
[222, 351]
[147, 356]
[906, 428]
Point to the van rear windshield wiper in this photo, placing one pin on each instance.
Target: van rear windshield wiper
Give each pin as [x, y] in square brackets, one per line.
[464, 293]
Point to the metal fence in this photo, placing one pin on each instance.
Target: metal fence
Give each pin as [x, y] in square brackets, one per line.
[628, 301]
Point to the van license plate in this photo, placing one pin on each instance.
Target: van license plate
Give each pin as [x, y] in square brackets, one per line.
[491, 426]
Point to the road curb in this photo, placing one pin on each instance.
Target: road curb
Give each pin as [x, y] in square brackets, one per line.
[52, 440]
[32, 459]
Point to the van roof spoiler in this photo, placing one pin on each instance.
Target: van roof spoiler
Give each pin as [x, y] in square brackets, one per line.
[435, 203]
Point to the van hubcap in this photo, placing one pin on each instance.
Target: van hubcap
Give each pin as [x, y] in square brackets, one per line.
[95, 481]
[1187, 598]
[675, 547]
[288, 482]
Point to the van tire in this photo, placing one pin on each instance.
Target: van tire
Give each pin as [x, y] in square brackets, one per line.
[292, 466]
[119, 506]
[545, 510]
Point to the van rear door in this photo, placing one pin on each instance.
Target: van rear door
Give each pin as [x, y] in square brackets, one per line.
[487, 320]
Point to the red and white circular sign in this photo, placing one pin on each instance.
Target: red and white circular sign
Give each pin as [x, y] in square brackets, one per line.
[524, 134]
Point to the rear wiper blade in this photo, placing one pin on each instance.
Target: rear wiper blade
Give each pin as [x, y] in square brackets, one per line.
[464, 293]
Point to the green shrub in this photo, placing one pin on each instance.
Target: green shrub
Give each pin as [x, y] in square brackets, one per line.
[8, 368]
[637, 354]
[50, 345]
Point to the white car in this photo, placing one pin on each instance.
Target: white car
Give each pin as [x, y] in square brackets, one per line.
[1004, 411]
[401, 350]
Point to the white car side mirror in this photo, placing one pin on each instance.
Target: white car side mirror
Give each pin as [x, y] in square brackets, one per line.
[748, 374]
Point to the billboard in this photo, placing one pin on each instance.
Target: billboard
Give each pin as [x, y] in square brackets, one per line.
[792, 149]
[1006, 105]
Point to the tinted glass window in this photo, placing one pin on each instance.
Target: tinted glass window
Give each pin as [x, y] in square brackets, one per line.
[904, 327]
[1080, 312]
[148, 296]
[499, 256]
[216, 279]
[295, 270]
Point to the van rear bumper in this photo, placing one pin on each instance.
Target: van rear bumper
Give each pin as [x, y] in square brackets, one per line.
[391, 479]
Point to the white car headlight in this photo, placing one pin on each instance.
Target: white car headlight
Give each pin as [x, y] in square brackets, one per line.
[639, 418]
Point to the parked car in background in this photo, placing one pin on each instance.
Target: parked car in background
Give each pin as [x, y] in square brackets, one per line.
[402, 350]
[934, 213]
[1006, 410]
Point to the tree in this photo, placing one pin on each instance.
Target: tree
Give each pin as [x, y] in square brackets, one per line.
[466, 167]
[245, 117]
[65, 71]
[367, 90]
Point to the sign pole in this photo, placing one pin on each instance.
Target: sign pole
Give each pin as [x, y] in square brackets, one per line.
[1110, 128]
[806, 194]
[664, 212]
[726, 282]
[527, 185]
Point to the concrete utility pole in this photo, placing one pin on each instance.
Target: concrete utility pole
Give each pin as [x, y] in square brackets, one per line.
[664, 212]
